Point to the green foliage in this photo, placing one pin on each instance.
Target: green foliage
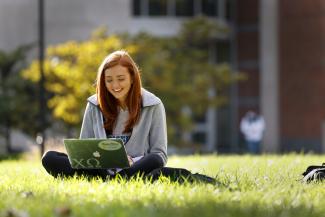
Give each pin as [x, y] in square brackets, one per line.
[70, 71]
[248, 186]
[17, 96]
[24, 105]
[200, 31]
[177, 69]
[10, 64]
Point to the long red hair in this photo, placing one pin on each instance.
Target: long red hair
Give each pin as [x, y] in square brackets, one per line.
[108, 103]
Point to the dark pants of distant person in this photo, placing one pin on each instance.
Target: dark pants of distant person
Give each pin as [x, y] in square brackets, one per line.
[150, 166]
[253, 147]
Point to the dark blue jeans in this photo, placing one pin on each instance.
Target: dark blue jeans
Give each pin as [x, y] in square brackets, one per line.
[149, 167]
[253, 146]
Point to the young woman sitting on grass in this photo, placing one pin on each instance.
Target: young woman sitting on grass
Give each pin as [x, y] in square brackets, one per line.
[121, 108]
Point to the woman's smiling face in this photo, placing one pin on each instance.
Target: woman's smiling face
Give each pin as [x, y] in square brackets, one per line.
[118, 82]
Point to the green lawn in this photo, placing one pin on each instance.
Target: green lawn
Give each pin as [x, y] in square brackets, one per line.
[249, 186]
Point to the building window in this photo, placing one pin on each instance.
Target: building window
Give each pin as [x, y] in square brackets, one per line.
[199, 137]
[229, 7]
[222, 51]
[185, 8]
[157, 7]
[199, 118]
[136, 5]
[209, 7]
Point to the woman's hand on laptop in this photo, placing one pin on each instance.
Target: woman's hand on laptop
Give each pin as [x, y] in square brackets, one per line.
[130, 160]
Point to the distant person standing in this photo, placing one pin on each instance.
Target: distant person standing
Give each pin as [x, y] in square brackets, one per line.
[252, 126]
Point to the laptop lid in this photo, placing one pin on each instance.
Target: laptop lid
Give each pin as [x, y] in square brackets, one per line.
[96, 153]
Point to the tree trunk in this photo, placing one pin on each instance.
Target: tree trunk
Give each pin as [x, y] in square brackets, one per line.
[8, 135]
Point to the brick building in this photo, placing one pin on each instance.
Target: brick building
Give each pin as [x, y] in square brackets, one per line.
[284, 57]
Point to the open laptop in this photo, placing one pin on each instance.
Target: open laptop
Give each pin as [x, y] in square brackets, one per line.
[96, 153]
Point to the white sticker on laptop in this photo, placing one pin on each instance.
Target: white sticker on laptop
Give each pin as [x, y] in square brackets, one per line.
[109, 145]
[96, 154]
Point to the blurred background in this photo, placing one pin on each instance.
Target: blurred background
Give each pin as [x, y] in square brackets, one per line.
[210, 61]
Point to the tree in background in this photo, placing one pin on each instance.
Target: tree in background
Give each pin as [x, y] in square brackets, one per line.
[17, 96]
[70, 71]
[177, 69]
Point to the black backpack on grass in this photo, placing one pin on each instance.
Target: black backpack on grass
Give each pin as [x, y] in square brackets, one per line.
[314, 173]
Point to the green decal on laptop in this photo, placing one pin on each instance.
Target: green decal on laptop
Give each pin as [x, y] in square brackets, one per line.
[96, 153]
[82, 163]
[110, 145]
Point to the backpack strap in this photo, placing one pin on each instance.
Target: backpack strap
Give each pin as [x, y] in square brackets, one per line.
[317, 174]
[310, 168]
